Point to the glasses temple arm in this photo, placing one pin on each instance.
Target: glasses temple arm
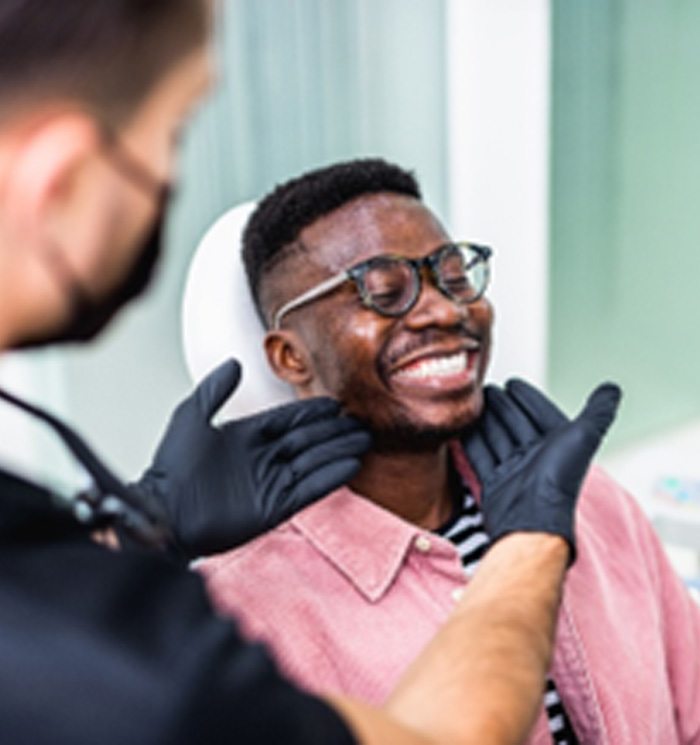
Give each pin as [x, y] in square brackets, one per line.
[315, 292]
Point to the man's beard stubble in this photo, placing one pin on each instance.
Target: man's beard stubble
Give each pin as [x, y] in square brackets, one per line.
[404, 436]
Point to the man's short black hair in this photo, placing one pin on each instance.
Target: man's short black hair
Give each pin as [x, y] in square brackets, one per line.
[105, 55]
[292, 206]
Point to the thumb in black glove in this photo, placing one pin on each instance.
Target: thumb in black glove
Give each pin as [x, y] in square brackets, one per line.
[224, 485]
[531, 460]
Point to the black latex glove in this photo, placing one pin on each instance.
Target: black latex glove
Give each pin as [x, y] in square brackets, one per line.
[531, 460]
[223, 485]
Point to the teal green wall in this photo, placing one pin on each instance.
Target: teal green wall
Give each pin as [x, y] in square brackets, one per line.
[308, 82]
[625, 206]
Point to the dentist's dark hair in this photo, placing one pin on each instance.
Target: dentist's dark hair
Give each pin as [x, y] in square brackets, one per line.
[104, 55]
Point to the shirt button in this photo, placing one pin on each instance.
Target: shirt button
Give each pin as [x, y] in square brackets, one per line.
[423, 544]
[457, 594]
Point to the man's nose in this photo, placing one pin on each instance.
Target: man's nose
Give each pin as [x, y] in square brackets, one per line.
[434, 308]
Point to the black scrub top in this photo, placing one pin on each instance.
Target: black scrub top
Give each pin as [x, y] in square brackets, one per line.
[103, 647]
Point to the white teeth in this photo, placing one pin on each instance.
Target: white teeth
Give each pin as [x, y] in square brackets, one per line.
[435, 367]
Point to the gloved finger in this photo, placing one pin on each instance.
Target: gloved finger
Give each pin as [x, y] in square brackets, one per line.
[281, 419]
[543, 413]
[190, 421]
[339, 448]
[601, 407]
[208, 397]
[306, 436]
[519, 427]
[319, 483]
[480, 457]
[496, 437]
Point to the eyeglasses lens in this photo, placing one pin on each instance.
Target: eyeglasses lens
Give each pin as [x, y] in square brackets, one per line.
[462, 273]
[390, 285]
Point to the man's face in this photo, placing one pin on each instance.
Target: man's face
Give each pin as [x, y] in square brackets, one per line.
[417, 379]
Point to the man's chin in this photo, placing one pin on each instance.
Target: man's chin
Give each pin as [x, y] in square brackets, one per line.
[412, 438]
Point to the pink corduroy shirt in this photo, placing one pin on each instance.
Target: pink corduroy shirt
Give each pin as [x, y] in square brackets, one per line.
[346, 595]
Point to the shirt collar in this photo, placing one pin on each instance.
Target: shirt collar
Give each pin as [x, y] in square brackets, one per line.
[365, 542]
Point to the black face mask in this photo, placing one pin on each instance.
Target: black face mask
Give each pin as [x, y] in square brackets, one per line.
[89, 316]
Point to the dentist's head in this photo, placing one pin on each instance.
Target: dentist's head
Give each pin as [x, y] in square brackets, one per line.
[92, 98]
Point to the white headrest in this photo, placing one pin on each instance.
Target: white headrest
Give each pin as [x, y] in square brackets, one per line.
[219, 319]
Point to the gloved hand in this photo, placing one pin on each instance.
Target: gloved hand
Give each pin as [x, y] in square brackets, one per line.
[223, 485]
[531, 460]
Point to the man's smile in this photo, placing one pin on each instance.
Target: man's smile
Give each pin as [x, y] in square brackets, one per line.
[439, 370]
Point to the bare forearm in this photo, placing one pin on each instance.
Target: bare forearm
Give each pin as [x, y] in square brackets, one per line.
[481, 679]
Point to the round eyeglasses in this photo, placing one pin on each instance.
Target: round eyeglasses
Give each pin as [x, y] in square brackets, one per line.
[391, 285]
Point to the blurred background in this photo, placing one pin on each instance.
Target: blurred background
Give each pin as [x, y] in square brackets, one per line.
[564, 134]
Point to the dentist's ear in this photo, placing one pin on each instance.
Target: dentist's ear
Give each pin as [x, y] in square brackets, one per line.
[289, 358]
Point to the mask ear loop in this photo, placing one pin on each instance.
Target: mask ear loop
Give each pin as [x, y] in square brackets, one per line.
[129, 165]
[109, 501]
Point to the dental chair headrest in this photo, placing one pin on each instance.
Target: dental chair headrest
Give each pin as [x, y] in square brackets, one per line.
[219, 319]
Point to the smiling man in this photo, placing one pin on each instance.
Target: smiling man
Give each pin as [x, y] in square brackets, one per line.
[416, 382]
[368, 299]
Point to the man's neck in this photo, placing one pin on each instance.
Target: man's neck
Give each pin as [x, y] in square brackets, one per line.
[414, 486]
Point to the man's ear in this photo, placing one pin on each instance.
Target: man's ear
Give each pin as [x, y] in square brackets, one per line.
[45, 162]
[288, 358]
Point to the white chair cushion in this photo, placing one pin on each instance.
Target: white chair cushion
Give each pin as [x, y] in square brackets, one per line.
[219, 319]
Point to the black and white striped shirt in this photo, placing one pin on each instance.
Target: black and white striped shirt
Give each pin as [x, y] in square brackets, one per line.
[466, 531]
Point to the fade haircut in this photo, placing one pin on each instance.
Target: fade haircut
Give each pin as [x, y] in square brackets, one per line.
[105, 55]
[273, 229]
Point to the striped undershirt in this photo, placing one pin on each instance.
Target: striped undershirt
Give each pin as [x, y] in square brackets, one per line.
[466, 531]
